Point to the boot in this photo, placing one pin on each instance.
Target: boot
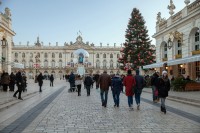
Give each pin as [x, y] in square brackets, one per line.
[161, 108]
[164, 110]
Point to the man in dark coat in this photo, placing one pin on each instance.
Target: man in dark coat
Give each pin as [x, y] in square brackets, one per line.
[138, 88]
[19, 82]
[72, 81]
[51, 80]
[116, 87]
[12, 82]
[96, 78]
[104, 82]
[40, 81]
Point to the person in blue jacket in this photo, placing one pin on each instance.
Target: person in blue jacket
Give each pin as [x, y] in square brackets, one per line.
[116, 87]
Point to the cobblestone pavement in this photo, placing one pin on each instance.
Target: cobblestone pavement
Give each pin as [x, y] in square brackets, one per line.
[63, 112]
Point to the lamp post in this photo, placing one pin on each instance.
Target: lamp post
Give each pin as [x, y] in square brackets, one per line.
[181, 68]
[36, 65]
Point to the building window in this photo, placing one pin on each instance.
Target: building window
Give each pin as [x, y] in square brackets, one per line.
[31, 55]
[111, 55]
[181, 69]
[45, 55]
[118, 55]
[104, 64]
[98, 64]
[31, 64]
[24, 62]
[72, 55]
[111, 64]
[165, 50]
[197, 42]
[23, 55]
[197, 68]
[53, 64]
[45, 63]
[117, 65]
[38, 54]
[53, 55]
[60, 55]
[97, 55]
[16, 55]
[60, 64]
[179, 52]
[104, 55]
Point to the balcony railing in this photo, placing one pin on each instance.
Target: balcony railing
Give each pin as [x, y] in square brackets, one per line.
[178, 56]
[195, 52]
[164, 59]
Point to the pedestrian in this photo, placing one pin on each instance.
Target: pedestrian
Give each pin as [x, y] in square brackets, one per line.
[154, 82]
[19, 82]
[129, 83]
[40, 81]
[63, 76]
[51, 80]
[88, 83]
[140, 84]
[24, 85]
[116, 87]
[96, 77]
[12, 81]
[5, 80]
[163, 88]
[104, 82]
[78, 83]
[72, 82]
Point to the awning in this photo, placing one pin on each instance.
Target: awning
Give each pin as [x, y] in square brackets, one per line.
[155, 65]
[184, 60]
[17, 65]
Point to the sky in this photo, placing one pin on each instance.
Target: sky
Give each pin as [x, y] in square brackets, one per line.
[99, 21]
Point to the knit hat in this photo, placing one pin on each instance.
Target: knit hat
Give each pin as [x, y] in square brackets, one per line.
[164, 72]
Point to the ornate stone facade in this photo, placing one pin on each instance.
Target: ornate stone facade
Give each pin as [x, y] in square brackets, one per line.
[61, 60]
[6, 40]
[178, 41]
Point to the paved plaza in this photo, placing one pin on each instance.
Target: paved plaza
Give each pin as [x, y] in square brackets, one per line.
[57, 111]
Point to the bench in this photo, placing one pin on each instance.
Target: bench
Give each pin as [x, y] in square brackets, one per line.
[192, 87]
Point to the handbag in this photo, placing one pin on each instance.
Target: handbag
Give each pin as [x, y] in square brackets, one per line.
[156, 92]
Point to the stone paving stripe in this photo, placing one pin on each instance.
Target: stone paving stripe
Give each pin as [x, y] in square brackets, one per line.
[175, 111]
[21, 123]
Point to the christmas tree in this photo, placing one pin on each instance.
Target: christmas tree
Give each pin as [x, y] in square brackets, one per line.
[137, 50]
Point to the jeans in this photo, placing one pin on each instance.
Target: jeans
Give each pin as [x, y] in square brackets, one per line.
[137, 98]
[130, 101]
[104, 96]
[18, 90]
[72, 87]
[153, 93]
[40, 88]
[116, 97]
[162, 102]
[88, 90]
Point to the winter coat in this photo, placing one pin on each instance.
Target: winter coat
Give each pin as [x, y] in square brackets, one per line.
[117, 85]
[40, 80]
[51, 78]
[19, 81]
[154, 80]
[5, 79]
[72, 78]
[12, 79]
[163, 87]
[88, 81]
[139, 84]
[104, 81]
[129, 82]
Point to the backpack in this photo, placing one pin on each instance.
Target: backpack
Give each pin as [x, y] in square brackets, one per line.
[88, 81]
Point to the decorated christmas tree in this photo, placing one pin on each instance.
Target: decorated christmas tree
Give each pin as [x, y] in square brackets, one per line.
[137, 50]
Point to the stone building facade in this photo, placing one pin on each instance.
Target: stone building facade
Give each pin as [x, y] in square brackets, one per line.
[6, 41]
[60, 60]
[178, 41]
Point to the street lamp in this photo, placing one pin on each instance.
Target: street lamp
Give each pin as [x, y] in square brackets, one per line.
[181, 68]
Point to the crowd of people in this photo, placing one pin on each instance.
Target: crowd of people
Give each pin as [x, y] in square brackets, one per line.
[133, 85]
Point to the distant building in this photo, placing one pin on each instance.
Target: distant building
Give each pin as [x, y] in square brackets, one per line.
[61, 60]
[178, 41]
[6, 41]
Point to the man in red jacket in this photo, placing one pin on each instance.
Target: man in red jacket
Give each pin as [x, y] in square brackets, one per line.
[129, 82]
